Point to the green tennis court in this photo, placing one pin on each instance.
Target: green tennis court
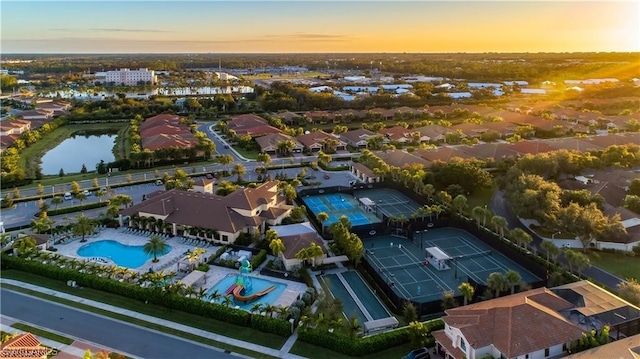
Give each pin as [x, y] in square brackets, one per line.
[446, 258]
[389, 202]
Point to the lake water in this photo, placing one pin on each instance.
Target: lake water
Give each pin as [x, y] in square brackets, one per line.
[74, 151]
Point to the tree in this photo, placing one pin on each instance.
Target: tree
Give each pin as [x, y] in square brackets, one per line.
[239, 170]
[100, 193]
[314, 251]
[16, 193]
[512, 278]
[550, 249]
[521, 237]
[155, 246]
[75, 188]
[83, 170]
[500, 224]
[448, 300]
[56, 201]
[265, 159]
[467, 291]
[630, 290]
[588, 223]
[24, 245]
[40, 189]
[61, 173]
[323, 217]
[409, 312]
[276, 246]
[82, 227]
[81, 197]
[324, 158]
[497, 282]
[418, 333]
[577, 260]
[478, 214]
[460, 203]
[225, 161]
[634, 187]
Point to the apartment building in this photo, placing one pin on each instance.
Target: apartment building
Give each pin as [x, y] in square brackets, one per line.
[129, 77]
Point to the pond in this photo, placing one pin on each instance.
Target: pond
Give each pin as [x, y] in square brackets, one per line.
[73, 152]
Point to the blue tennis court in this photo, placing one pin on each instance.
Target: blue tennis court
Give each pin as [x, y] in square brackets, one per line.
[337, 205]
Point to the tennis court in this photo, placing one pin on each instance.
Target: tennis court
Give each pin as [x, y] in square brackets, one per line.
[411, 269]
[389, 202]
[337, 205]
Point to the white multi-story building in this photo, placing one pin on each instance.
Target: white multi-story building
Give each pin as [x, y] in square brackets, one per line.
[129, 77]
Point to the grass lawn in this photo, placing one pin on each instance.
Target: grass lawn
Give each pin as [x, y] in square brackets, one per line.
[250, 154]
[30, 156]
[481, 198]
[621, 265]
[312, 351]
[210, 325]
[43, 333]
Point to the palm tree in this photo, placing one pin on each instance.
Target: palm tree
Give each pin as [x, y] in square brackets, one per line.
[225, 161]
[314, 251]
[81, 197]
[513, 278]
[282, 311]
[497, 282]
[277, 247]
[521, 237]
[227, 300]
[550, 249]
[269, 309]
[460, 203]
[82, 227]
[478, 214]
[214, 296]
[324, 158]
[500, 224]
[270, 235]
[154, 246]
[265, 158]
[56, 201]
[239, 170]
[322, 218]
[256, 308]
[467, 291]
[100, 193]
[24, 245]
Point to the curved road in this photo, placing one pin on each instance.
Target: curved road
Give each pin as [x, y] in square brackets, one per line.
[500, 207]
[119, 335]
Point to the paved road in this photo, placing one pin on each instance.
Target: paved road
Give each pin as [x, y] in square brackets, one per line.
[111, 333]
[500, 207]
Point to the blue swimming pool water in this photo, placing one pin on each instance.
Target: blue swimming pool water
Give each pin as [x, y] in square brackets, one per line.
[121, 254]
[257, 285]
[349, 306]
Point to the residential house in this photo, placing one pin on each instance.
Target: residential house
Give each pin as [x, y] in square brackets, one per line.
[434, 133]
[15, 127]
[489, 151]
[468, 129]
[295, 238]
[269, 143]
[574, 144]
[443, 154]
[247, 210]
[58, 107]
[523, 325]
[357, 138]
[530, 147]
[400, 158]
[400, 134]
[203, 185]
[319, 116]
[41, 240]
[630, 222]
[165, 131]
[156, 142]
[250, 124]
[24, 346]
[316, 141]
[364, 174]
[625, 348]
[38, 114]
[290, 118]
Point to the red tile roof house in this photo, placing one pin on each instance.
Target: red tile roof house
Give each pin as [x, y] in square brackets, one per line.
[289, 118]
[399, 134]
[314, 141]
[434, 133]
[247, 210]
[470, 130]
[319, 116]
[269, 143]
[522, 325]
[39, 114]
[400, 158]
[165, 141]
[357, 138]
[14, 127]
[364, 174]
[24, 346]
[489, 151]
[444, 154]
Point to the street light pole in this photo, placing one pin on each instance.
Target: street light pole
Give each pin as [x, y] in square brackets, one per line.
[553, 236]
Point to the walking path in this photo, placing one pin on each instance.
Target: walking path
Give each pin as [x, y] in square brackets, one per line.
[282, 353]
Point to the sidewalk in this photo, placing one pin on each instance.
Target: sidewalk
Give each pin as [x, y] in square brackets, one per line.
[282, 353]
[74, 350]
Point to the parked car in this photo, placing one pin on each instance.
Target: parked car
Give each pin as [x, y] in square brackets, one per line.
[326, 176]
[420, 353]
[86, 192]
[68, 196]
[159, 183]
[209, 176]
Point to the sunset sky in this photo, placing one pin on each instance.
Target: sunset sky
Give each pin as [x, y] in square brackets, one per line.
[318, 26]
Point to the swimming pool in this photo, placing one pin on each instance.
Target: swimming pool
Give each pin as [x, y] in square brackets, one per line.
[121, 254]
[257, 285]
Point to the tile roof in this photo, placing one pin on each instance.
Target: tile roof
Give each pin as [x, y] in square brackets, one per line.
[209, 210]
[625, 348]
[165, 141]
[23, 346]
[443, 154]
[272, 140]
[400, 158]
[309, 139]
[364, 169]
[357, 135]
[517, 324]
[293, 244]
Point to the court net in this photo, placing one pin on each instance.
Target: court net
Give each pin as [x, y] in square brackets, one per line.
[401, 203]
[474, 255]
[403, 266]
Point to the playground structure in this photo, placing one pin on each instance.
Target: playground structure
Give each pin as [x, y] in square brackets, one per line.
[244, 284]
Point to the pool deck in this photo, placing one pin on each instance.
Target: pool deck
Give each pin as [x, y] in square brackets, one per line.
[168, 262]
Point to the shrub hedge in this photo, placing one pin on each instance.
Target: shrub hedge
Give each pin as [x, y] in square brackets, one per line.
[258, 259]
[155, 296]
[66, 210]
[363, 346]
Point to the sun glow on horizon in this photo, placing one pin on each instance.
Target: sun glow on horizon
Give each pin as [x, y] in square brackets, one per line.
[317, 26]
